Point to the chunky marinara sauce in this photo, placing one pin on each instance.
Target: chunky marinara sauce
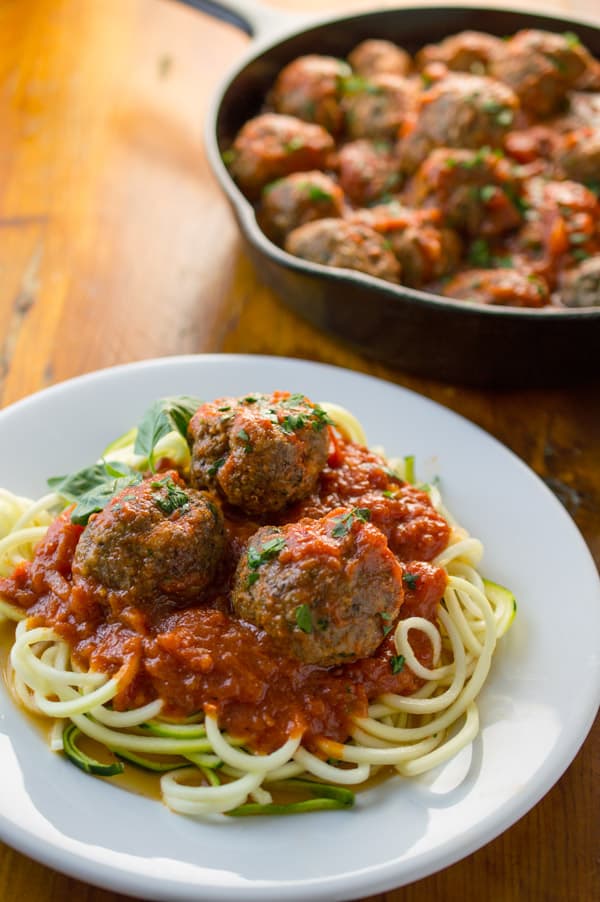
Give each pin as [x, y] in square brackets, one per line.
[203, 655]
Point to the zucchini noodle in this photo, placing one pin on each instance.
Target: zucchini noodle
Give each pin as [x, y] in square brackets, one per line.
[204, 771]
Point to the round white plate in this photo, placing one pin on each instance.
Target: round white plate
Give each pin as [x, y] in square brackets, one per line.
[536, 709]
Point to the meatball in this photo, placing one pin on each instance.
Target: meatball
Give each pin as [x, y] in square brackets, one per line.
[562, 221]
[578, 155]
[309, 88]
[260, 452]
[425, 253]
[270, 146]
[580, 286]
[296, 199]
[375, 57]
[335, 242]
[476, 192]
[367, 170]
[465, 111]
[499, 287]
[468, 51]
[540, 67]
[528, 145]
[157, 538]
[326, 591]
[378, 107]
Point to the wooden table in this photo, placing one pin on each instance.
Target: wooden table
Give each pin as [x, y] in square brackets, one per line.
[116, 245]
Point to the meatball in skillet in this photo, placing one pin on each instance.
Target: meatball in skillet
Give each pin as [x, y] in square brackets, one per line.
[310, 88]
[468, 51]
[499, 287]
[326, 591]
[338, 243]
[580, 286]
[378, 107]
[375, 57]
[367, 170]
[296, 199]
[578, 155]
[462, 111]
[540, 67]
[271, 146]
[260, 452]
[158, 538]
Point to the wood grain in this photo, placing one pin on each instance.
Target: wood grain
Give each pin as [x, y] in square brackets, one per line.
[116, 245]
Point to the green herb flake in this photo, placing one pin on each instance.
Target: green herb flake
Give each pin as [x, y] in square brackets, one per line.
[216, 466]
[294, 144]
[174, 499]
[479, 253]
[343, 524]
[245, 438]
[487, 192]
[578, 238]
[258, 556]
[396, 663]
[304, 618]
[316, 193]
[580, 255]
[410, 579]
[571, 38]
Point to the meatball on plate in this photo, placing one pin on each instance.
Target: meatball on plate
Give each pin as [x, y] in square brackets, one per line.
[450, 111]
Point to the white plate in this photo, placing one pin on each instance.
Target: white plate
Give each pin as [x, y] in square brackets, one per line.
[536, 709]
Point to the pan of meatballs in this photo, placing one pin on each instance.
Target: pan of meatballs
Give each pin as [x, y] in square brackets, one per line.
[424, 184]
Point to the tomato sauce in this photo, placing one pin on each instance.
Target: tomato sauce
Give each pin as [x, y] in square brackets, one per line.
[203, 655]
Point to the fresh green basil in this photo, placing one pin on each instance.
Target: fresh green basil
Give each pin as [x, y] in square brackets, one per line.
[171, 414]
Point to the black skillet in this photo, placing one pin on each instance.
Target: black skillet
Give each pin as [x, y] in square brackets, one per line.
[418, 332]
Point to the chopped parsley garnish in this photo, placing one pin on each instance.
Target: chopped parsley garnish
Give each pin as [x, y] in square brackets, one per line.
[304, 618]
[410, 579]
[571, 38]
[228, 156]
[580, 254]
[386, 616]
[315, 192]
[487, 192]
[294, 144]
[397, 663]
[216, 466]
[245, 438]
[343, 524]
[293, 421]
[175, 497]
[257, 556]
[577, 238]
[479, 253]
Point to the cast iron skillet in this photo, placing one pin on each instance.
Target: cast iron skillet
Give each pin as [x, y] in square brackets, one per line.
[418, 332]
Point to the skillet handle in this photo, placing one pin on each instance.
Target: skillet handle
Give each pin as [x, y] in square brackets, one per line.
[252, 16]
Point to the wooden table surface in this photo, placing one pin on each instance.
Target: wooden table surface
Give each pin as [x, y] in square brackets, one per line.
[117, 245]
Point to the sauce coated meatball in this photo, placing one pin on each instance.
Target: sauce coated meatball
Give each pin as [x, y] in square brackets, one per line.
[476, 192]
[378, 107]
[580, 286]
[272, 146]
[158, 538]
[465, 111]
[375, 57]
[425, 253]
[498, 286]
[578, 155]
[468, 51]
[296, 199]
[310, 88]
[325, 590]
[540, 67]
[367, 170]
[260, 452]
[336, 242]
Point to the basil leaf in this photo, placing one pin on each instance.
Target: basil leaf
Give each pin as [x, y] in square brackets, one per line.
[93, 487]
[165, 415]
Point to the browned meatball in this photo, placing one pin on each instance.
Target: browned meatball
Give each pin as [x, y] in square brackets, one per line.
[335, 242]
[377, 107]
[468, 51]
[578, 155]
[540, 67]
[465, 111]
[375, 57]
[298, 198]
[425, 252]
[500, 287]
[476, 192]
[368, 170]
[309, 88]
[326, 590]
[270, 146]
[580, 286]
[158, 538]
[261, 452]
